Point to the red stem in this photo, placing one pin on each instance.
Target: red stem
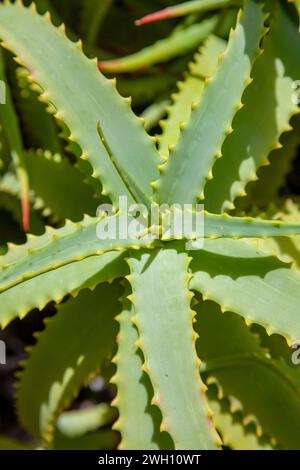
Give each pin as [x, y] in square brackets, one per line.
[25, 213]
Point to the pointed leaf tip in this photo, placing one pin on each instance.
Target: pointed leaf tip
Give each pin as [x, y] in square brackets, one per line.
[160, 15]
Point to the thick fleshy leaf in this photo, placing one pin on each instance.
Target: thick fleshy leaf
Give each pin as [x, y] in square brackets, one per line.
[61, 247]
[39, 126]
[11, 129]
[265, 390]
[160, 297]
[55, 285]
[60, 68]
[189, 93]
[134, 392]
[186, 8]
[179, 43]
[76, 342]
[76, 423]
[258, 126]
[248, 281]
[71, 197]
[185, 173]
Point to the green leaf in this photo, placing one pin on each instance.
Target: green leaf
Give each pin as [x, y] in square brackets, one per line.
[238, 432]
[248, 281]
[61, 186]
[179, 43]
[189, 92]
[93, 15]
[186, 224]
[10, 194]
[272, 178]
[60, 68]
[258, 126]
[74, 243]
[19, 300]
[184, 175]
[154, 113]
[38, 124]
[247, 376]
[286, 248]
[134, 391]
[60, 247]
[186, 8]
[160, 298]
[12, 132]
[78, 422]
[75, 344]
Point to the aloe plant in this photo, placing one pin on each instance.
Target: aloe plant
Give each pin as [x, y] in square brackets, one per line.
[194, 335]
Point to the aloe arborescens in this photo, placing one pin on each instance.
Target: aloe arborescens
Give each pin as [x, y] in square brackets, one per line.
[147, 314]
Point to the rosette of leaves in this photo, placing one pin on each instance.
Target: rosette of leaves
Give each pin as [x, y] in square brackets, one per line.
[195, 341]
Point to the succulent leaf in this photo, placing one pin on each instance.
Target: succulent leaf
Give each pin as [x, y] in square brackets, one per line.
[11, 129]
[71, 197]
[185, 173]
[17, 301]
[61, 76]
[134, 391]
[189, 93]
[84, 353]
[258, 126]
[186, 8]
[170, 357]
[238, 364]
[177, 44]
[61, 247]
[246, 280]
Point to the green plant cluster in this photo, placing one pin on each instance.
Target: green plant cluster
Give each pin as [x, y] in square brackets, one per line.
[196, 341]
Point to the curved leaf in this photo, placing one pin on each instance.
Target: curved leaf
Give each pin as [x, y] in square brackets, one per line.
[38, 124]
[186, 8]
[60, 247]
[134, 391]
[184, 175]
[11, 129]
[61, 186]
[60, 68]
[248, 377]
[267, 110]
[76, 423]
[236, 432]
[248, 281]
[178, 43]
[189, 92]
[76, 342]
[55, 285]
[161, 298]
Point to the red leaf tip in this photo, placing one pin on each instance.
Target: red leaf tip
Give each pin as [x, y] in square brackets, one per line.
[160, 15]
